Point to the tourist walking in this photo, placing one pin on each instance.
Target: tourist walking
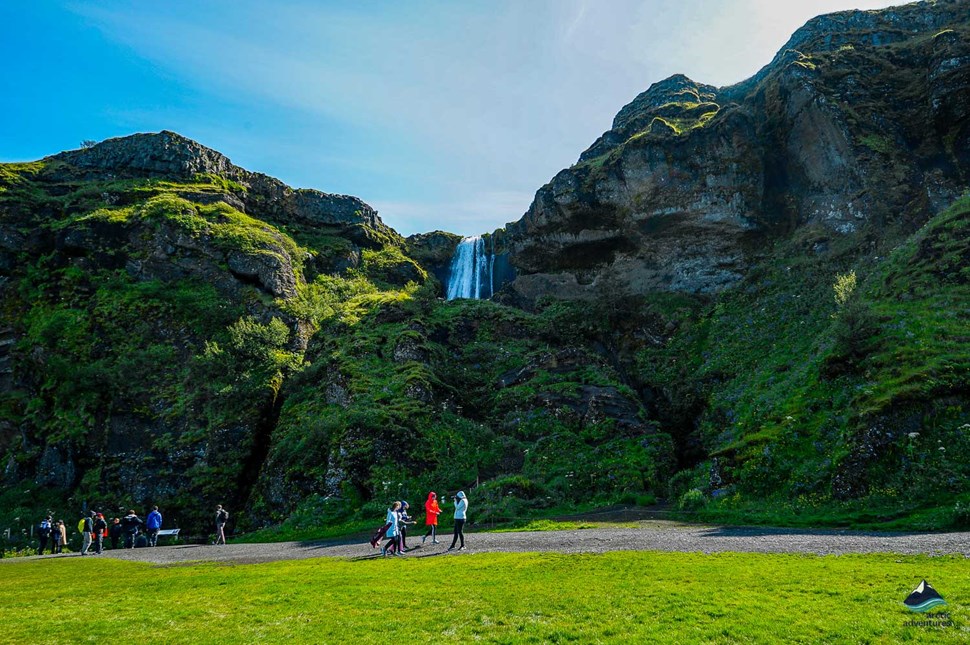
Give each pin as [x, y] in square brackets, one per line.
[130, 525]
[431, 513]
[222, 516]
[114, 532]
[86, 526]
[44, 530]
[403, 520]
[100, 531]
[153, 524]
[60, 536]
[393, 520]
[461, 512]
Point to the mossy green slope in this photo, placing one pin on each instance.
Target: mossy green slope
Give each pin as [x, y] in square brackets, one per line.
[812, 403]
[153, 325]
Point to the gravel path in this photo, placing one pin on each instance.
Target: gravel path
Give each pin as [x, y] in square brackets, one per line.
[652, 535]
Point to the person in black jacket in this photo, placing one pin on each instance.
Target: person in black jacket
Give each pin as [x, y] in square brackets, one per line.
[100, 531]
[114, 532]
[405, 519]
[130, 524]
[222, 516]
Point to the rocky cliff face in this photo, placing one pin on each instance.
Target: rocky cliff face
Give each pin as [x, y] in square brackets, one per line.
[167, 154]
[155, 297]
[859, 123]
[434, 251]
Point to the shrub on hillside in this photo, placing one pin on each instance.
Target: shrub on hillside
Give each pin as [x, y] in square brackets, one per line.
[855, 324]
[692, 500]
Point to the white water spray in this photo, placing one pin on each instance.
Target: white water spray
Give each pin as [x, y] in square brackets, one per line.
[471, 274]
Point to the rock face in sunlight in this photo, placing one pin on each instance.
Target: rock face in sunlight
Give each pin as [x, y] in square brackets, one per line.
[167, 154]
[859, 123]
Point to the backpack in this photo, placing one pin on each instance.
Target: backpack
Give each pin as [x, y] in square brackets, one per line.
[80, 525]
[222, 516]
[44, 530]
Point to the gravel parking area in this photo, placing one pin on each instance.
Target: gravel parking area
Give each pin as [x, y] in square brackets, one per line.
[651, 535]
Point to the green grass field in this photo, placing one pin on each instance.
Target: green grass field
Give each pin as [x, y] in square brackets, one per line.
[506, 598]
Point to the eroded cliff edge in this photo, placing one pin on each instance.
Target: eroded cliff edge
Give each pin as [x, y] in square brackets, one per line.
[858, 124]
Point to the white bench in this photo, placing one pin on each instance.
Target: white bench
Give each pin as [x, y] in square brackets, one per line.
[169, 532]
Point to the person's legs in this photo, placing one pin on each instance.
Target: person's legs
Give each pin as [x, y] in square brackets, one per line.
[98, 544]
[460, 528]
[403, 538]
[221, 537]
[85, 543]
[454, 540]
[43, 545]
[129, 540]
[390, 544]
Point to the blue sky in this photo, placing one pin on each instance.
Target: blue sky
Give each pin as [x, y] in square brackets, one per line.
[442, 115]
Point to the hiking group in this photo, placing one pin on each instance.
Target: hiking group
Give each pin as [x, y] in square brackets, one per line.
[94, 529]
[397, 521]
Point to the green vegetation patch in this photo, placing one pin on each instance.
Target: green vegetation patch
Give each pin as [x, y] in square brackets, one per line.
[877, 143]
[833, 384]
[502, 598]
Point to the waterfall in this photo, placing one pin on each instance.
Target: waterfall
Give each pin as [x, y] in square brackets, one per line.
[471, 273]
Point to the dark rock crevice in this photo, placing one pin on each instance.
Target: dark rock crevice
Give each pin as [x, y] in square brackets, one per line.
[252, 465]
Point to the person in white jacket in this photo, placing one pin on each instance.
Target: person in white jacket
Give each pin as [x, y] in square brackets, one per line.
[461, 513]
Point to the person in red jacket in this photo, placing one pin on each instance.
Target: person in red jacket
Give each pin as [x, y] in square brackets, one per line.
[432, 511]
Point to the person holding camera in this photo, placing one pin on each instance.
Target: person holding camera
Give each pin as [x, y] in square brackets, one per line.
[461, 511]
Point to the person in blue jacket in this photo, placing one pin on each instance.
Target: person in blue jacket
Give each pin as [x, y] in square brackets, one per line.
[153, 524]
[393, 532]
[461, 513]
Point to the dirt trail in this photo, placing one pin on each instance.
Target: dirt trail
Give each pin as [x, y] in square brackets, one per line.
[651, 535]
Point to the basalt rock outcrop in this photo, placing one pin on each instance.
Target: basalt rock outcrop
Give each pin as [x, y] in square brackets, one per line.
[434, 251]
[860, 122]
[167, 154]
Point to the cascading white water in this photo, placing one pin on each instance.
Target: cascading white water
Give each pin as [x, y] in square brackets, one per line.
[471, 270]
